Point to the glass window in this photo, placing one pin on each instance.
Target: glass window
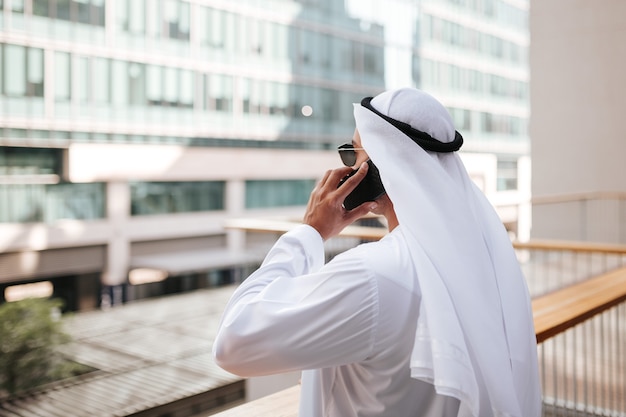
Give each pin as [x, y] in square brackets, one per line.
[14, 70]
[154, 88]
[329, 104]
[277, 193]
[81, 136]
[183, 20]
[263, 95]
[343, 55]
[215, 27]
[62, 76]
[204, 25]
[35, 72]
[101, 80]
[153, 21]
[39, 134]
[82, 8]
[255, 37]
[74, 201]
[187, 90]
[41, 8]
[176, 197]
[97, 12]
[82, 79]
[241, 38]
[245, 95]
[170, 90]
[170, 15]
[461, 118]
[121, 7]
[22, 71]
[306, 47]
[63, 10]
[137, 84]
[31, 161]
[507, 174]
[280, 40]
[251, 96]
[230, 32]
[219, 93]
[120, 89]
[279, 99]
[373, 60]
[21, 203]
[16, 133]
[17, 6]
[137, 16]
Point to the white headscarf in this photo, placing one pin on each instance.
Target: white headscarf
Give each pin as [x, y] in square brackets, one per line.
[475, 337]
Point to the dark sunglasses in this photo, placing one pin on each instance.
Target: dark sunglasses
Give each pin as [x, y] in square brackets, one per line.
[423, 139]
[347, 153]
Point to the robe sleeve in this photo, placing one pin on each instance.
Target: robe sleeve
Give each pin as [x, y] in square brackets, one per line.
[296, 313]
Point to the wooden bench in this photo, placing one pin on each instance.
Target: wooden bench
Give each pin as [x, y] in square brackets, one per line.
[553, 313]
[566, 307]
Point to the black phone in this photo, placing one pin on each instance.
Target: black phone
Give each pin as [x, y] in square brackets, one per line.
[369, 189]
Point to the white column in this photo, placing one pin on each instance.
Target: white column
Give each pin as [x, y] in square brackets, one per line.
[524, 214]
[235, 200]
[118, 248]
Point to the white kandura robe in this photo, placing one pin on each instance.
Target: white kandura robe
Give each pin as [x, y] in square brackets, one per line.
[349, 323]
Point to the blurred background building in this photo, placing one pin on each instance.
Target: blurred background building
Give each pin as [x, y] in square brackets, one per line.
[577, 128]
[130, 130]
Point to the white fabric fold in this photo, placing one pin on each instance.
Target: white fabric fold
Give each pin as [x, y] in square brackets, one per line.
[475, 338]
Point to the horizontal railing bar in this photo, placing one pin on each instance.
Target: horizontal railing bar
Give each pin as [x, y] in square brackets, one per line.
[575, 197]
[571, 246]
[375, 233]
[282, 226]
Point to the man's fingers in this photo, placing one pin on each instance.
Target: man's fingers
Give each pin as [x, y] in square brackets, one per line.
[324, 179]
[360, 211]
[351, 183]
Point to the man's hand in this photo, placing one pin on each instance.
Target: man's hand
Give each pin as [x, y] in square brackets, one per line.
[325, 210]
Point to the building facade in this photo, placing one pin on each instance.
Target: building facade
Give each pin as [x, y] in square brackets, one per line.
[131, 129]
[578, 96]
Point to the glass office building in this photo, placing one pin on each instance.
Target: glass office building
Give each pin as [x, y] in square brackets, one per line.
[130, 129]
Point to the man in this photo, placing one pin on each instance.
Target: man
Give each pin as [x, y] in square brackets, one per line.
[432, 320]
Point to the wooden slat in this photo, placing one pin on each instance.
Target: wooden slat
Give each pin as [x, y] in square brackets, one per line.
[564, 308]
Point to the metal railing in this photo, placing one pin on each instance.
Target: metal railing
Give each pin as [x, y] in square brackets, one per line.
[583, 369]
[549, 264]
